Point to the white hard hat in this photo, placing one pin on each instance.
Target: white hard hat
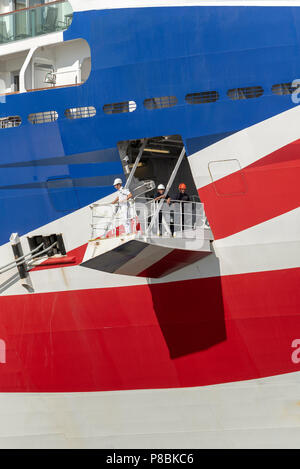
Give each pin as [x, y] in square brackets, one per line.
[118, 181]
[161, 186]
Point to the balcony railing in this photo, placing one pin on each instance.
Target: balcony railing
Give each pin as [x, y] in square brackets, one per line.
[175, 220]
[35, 21]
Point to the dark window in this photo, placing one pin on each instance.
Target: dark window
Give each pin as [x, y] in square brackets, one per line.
[159, 103]
[245, 93]
[203, 97]
[43, 117]
[283, 88]
[119, 108]
[80, 112]
[16, 83]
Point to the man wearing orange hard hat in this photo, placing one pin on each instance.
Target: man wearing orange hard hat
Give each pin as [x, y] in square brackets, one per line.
[182, 194]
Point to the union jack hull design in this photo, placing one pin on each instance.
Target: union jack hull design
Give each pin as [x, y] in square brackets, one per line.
[204, 356]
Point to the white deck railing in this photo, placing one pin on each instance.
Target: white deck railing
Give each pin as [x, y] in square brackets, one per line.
[177, 219]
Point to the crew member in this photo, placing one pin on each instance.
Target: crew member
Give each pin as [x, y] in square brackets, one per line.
[182, 196]
[122, 198]
[160, 194]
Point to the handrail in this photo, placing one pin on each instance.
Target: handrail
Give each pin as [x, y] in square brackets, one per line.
[32, 8]
[180, 218]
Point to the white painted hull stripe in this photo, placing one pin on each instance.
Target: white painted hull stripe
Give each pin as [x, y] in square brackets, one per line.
[247, 146]
[234, 415]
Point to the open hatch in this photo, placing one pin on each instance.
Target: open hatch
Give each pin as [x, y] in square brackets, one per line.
[164, 235]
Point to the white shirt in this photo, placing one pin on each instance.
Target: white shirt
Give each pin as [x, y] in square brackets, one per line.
[123, 194]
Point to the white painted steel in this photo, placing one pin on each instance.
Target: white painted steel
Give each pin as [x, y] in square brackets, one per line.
[30, 43]
[247, 146]
[263, 413]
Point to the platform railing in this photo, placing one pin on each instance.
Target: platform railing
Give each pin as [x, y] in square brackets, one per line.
[176, 219]
[108, 221]
[35, 21]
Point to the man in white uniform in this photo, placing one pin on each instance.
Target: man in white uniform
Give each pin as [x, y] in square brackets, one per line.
[123, 196]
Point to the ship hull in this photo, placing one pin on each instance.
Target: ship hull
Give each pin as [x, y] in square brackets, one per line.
[207, 356]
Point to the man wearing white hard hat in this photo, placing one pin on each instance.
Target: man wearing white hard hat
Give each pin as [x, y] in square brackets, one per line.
[122, 198]
[160, 194]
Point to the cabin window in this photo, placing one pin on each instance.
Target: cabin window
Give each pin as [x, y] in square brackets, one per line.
[245, 93]
[203, 97]
[119, 108]
[43, 117]
[9, 122]
[283, 88]
[80, 112]
[160, 103]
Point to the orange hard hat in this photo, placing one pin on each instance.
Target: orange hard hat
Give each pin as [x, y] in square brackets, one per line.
[182, 186]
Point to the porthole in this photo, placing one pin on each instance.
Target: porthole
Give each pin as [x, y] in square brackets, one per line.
[81, 112]
[119, 108]
[43, 117]
[245, 93]
[203, 97]
[283, 89]
[9, 122]
[160, 103]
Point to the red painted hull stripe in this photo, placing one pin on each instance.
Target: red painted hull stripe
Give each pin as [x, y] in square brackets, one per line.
[189, 333]
[257, 193]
